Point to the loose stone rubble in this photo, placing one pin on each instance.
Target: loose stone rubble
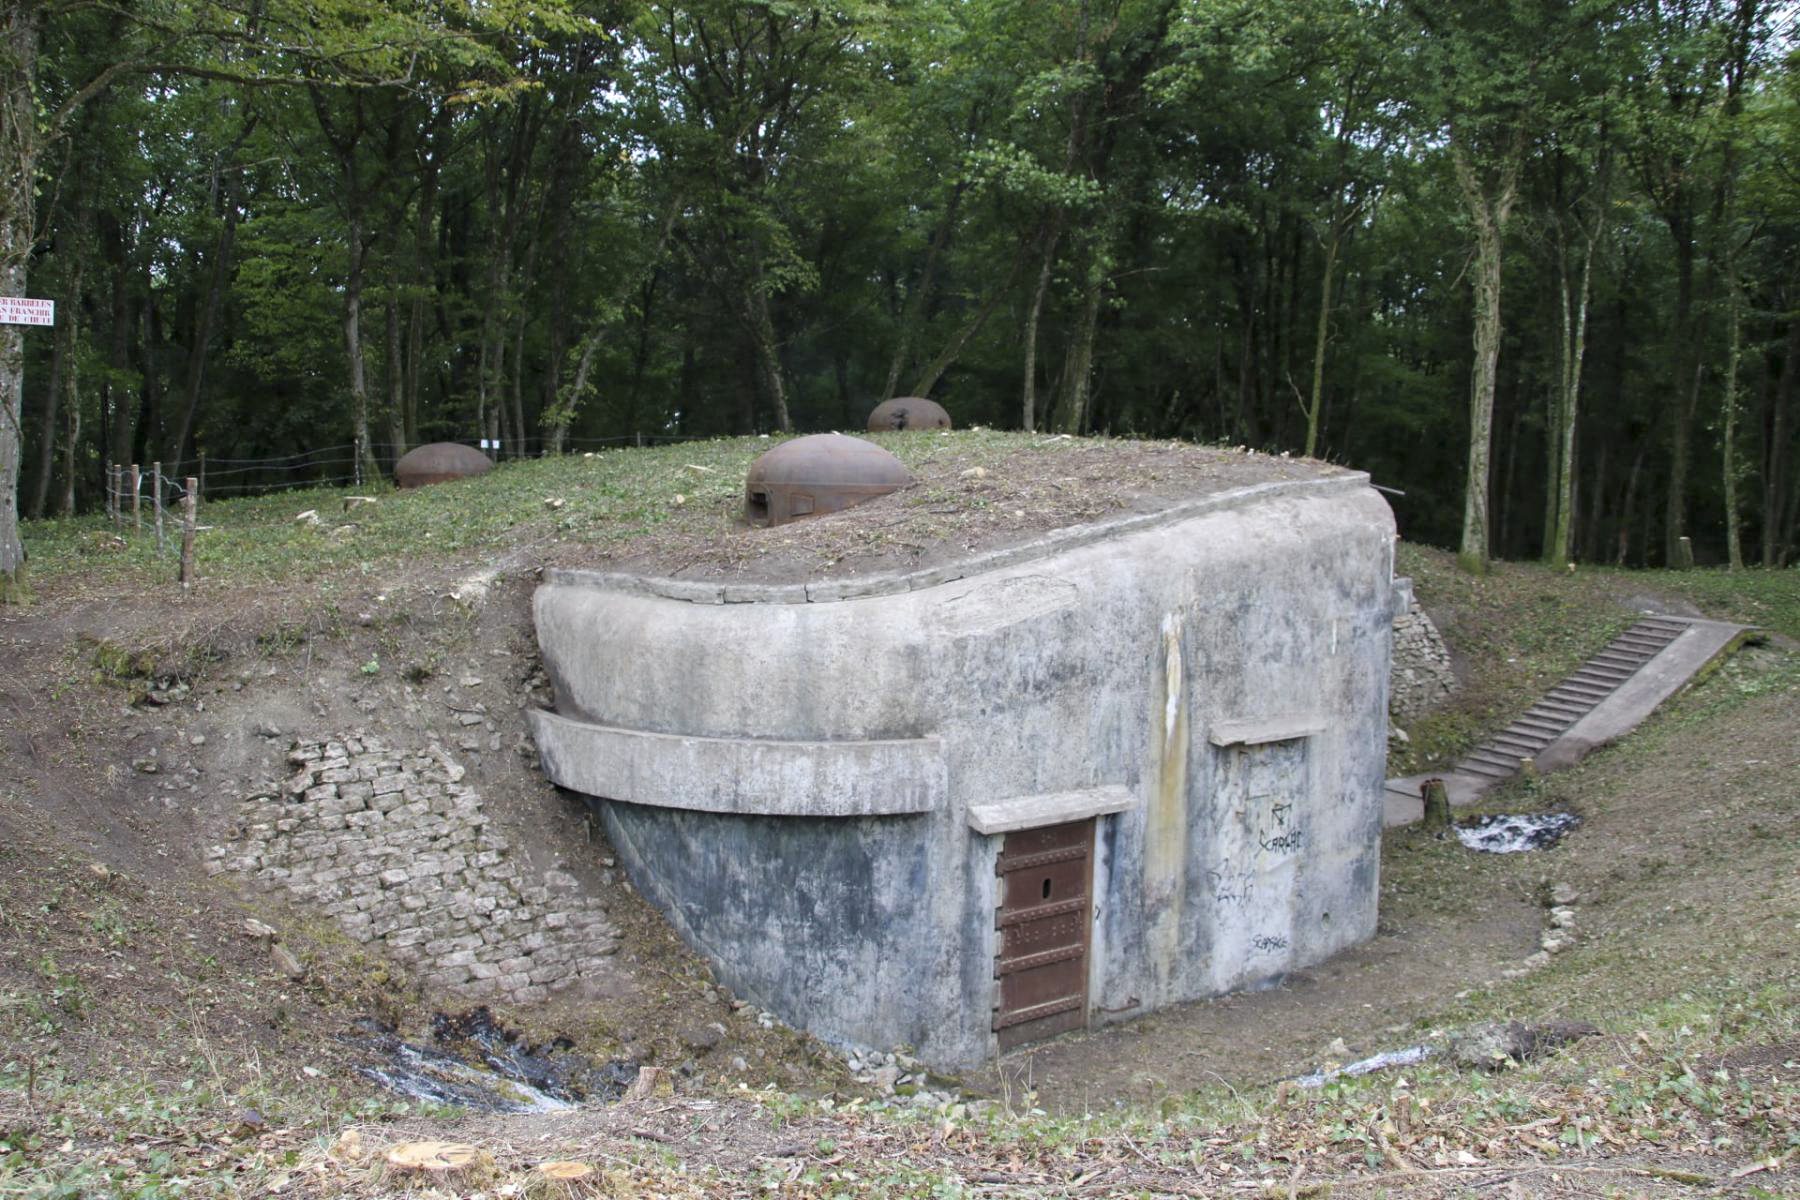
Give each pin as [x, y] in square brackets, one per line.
[396, 848]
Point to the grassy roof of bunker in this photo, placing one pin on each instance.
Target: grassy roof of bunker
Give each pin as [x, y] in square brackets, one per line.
[673, 510]
[971, 492]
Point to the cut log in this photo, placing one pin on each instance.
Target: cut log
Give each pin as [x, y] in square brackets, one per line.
[435, 1157]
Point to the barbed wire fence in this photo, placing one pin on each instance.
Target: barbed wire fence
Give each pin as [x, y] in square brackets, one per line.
[137, 496]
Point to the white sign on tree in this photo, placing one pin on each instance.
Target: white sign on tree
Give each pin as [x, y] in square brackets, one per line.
[17, 310]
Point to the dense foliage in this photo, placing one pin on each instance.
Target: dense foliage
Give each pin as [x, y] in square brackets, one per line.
[1370, 229]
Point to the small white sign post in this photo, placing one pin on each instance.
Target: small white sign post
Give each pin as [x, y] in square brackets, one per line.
[17, 310]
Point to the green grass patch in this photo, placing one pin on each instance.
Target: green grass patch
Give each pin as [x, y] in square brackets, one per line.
[604, 498]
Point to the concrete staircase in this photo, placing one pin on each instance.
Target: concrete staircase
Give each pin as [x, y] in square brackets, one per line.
[1607, 697]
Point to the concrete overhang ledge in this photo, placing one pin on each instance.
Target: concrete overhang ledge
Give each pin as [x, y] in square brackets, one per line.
[1049, 808]
[750, 776]
[1257, 731]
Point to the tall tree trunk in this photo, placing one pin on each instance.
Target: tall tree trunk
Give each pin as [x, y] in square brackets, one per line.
[204, 320]
[18, 179]
[1321, 334]
[1626, 506]
[423, 274]
[559, 428]
[61, 349]
[934, 370]
[1078, 362]
[72, 390]
[1787, 387]
[1028, 391]
[1592, 550]
[768, 354]
[117, 406]
[516, 388]
[913, 315]
[150, 416]
[569, 400]
[640, 353]
[1489, 215]
[394, 369]
[366, 467]
[1502, 541]
[1689, 366]
[487, 404]
[1734, 346]
[492, 352]
[1559, 516]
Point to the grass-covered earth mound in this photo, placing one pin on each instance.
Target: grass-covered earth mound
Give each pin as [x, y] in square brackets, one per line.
[149, 1048]
[678, 510]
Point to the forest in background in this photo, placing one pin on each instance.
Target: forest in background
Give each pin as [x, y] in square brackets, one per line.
[1535, 263]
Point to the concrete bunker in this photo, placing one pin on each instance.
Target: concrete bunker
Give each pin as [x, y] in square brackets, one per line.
[1049, 786]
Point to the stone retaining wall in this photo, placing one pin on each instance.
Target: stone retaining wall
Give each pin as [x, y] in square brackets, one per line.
[396, 848]
[1421, 677]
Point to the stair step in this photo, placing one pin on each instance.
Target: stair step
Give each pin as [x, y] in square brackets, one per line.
[1493, 758]
[1618, 662]
[1581, 697]
[1539, 727]
[1486, 770]
[1631, 664]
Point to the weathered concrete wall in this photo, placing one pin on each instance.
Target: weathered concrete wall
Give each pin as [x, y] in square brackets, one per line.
[1224, 667]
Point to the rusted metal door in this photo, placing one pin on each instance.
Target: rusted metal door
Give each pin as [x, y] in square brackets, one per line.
[1045, 895]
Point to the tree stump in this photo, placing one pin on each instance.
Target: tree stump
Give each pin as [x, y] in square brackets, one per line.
[1437, 804]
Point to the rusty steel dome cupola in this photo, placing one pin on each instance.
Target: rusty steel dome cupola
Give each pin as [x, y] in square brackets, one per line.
[908, 412]
[439, 462]
[823, 473]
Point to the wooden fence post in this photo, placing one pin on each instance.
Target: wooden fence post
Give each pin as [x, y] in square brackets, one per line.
[137, 489]
[156, 491]
[187, 530]
[112, 494]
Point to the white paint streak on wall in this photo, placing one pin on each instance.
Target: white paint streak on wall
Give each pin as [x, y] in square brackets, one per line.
[1166, 824]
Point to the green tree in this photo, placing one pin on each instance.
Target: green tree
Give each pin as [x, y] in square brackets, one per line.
[1491, 73]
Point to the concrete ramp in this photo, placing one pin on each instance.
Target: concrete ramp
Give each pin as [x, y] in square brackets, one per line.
[1602, 701]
